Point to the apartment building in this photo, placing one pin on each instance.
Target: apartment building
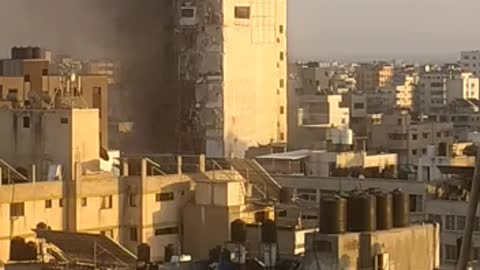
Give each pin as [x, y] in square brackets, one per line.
[315, 117]
[371, 76]
[470, 61]
[32, 80]
[437, 88]
[234, 59]
[399, 133]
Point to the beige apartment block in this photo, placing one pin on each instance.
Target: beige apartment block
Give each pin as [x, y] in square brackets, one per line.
[234, 56]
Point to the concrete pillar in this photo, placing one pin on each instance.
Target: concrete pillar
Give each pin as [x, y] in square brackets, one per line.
[179, 164]
[201, 163]
[144, 168]
[1, 176]
[78, 171]
[34, 173]
[124, 167]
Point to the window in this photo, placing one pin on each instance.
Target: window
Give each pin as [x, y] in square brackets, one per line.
[17, 209]
[26, 122]
[12, 94]
[439, 134]
[132, 200]
[425, 135]
[84, 202]
[282, 213]
[48, 203]
[450, 252]
[165, 231]
[399, 121]
[282, 136]
[1, 91]
[447, 133]
[280, 29]
[164, 196]
[282, 110]
[414, 152]
[133, 234]
[424, 151]
[188, 12]
[282, 56]
[282, 83]
[107, 202]
[307, 194]
[60, 202]
[476, 226]
[414, 137]
[460, 223]
[45, 72]
[64, 120]
[436, 218]
[97, 100]
[242, 12]
[476, 253]
[436, 84]
[450, 222]
[358, 105]
[416, 203]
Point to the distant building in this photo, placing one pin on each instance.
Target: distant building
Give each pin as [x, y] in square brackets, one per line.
[437, 88]
[399, 133]
[371, 76]
[316, 117]
[470, 61]
[29, 79]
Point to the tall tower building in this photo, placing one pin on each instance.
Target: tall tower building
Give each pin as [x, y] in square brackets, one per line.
[232, 58]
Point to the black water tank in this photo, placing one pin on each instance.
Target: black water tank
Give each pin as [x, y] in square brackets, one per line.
[37, 52]
[400, 208]
[238, 231]
[285, 195]
[384, 210]
[269, 232]
[333, 214]
[362, 212]
[143, 253]
[14, 52]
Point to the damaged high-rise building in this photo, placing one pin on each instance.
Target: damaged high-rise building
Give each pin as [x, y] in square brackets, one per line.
[231, 57]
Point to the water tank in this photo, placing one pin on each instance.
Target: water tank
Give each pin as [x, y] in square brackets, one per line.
[238, 231]
[362, 212]
[333, 214]
[269, 232]
[400, 208]
[37, 53]
[143, 253]
[384, 210]
[285, 195]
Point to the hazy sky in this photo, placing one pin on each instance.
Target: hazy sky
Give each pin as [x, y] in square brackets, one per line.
[317, 28]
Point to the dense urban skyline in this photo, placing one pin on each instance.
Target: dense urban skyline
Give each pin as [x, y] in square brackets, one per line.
[318, 29]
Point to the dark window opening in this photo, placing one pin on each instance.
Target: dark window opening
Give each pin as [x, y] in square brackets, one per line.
[48, 204]
[188, 12]
[280, 29]
[133, 234]
[165, 231]
[64, 120]
[26, 78]
[84, 202]
[164, 196]
[44, 72]
[242, 12]
[17, 209]
[26, 122]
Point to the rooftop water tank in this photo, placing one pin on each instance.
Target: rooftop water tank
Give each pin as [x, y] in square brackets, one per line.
[333, 215]
[401, 207]
[362, 212]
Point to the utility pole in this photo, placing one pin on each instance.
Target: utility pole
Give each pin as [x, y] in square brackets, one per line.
[471, 214]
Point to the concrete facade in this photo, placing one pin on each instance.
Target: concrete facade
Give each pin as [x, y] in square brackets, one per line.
[399, 133]
[470, 61]
[236, 62]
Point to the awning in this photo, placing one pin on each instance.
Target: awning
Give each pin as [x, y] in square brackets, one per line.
[293, 155]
